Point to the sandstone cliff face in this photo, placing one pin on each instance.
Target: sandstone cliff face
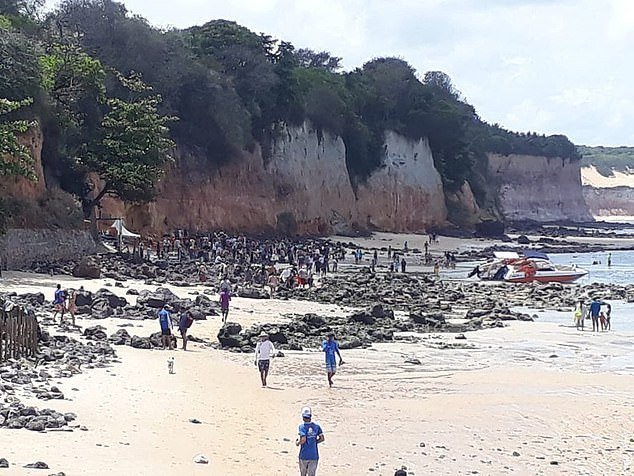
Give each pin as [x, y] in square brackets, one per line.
[406, 194]
[610, 201]
[303, 187]
[538, 188]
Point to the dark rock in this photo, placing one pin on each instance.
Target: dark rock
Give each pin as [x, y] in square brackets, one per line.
[114, 301]
[253, 293]
[36, 425]
[380, 313]
[95, 333]
[88, 267]
[157, 299]
[132, 292]
[121, 337]
[432, 319]
[523, 240]
[489, 229]
[4, 463]
[37, 465]
[363, 318]
[101, 309]
[140, 342]
[83, 298]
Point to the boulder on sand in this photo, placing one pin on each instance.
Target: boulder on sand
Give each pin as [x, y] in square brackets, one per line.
[229, 335]
[253, 293]
[88, 267]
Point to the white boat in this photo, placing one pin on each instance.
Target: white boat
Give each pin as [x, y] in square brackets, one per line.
[527, 267]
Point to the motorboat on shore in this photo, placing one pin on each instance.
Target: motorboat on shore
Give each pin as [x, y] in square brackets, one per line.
[526, 267]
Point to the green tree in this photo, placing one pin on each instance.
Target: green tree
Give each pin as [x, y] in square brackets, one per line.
[133, 149]
[15, 158]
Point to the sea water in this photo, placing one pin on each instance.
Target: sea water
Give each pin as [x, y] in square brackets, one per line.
[621, 270]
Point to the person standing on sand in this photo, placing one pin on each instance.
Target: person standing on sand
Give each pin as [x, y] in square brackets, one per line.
[403, 265]
[264, 351]
[184, 323]
[331, 348]
[59, 301]
[579, 314]
[72, 306]
[225, 297]
[608, 314]
[165, 321]
[595, 309]
[310, 435]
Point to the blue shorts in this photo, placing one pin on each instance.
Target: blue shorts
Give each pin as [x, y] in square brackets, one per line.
[331, 367]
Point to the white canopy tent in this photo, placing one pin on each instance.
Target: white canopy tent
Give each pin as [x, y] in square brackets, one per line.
[122, 231]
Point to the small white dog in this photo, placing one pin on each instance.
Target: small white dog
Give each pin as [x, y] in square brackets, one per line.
[170, 365]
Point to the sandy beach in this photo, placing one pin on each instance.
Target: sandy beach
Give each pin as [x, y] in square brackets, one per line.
[531, 398]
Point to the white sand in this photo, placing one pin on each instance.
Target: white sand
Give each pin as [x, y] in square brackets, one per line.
[470, 408]
[591, 176]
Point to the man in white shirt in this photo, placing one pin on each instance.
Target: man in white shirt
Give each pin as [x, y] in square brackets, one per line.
[264, 351]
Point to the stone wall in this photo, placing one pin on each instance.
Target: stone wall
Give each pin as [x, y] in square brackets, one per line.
[20, 247]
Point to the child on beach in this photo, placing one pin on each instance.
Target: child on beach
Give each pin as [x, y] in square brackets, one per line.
[579, 315]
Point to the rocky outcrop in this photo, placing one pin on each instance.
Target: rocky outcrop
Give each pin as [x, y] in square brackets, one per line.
[538, 188]
[304, 188]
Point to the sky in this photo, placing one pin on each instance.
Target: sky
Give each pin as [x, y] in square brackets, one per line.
[548, 66]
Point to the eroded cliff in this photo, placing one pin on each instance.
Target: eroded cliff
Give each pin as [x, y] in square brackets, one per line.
[538, 188]
[303, 188]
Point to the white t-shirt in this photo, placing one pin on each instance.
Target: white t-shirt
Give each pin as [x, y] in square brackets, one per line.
[264, 350]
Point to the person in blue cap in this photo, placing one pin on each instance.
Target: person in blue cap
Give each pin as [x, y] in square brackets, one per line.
[310, 435]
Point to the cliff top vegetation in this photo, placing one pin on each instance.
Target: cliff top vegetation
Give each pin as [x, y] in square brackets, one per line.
[607, 160]
[221, 89]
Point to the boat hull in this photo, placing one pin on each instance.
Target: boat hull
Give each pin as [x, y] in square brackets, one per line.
[570, 278]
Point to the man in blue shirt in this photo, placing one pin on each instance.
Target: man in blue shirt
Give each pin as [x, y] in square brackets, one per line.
[60, 303]
[310, 435]
[595, 309]
[331, 348]
[166, 327]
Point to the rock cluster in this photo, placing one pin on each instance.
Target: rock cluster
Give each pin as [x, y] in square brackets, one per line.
[360, 329]
[16, 416]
